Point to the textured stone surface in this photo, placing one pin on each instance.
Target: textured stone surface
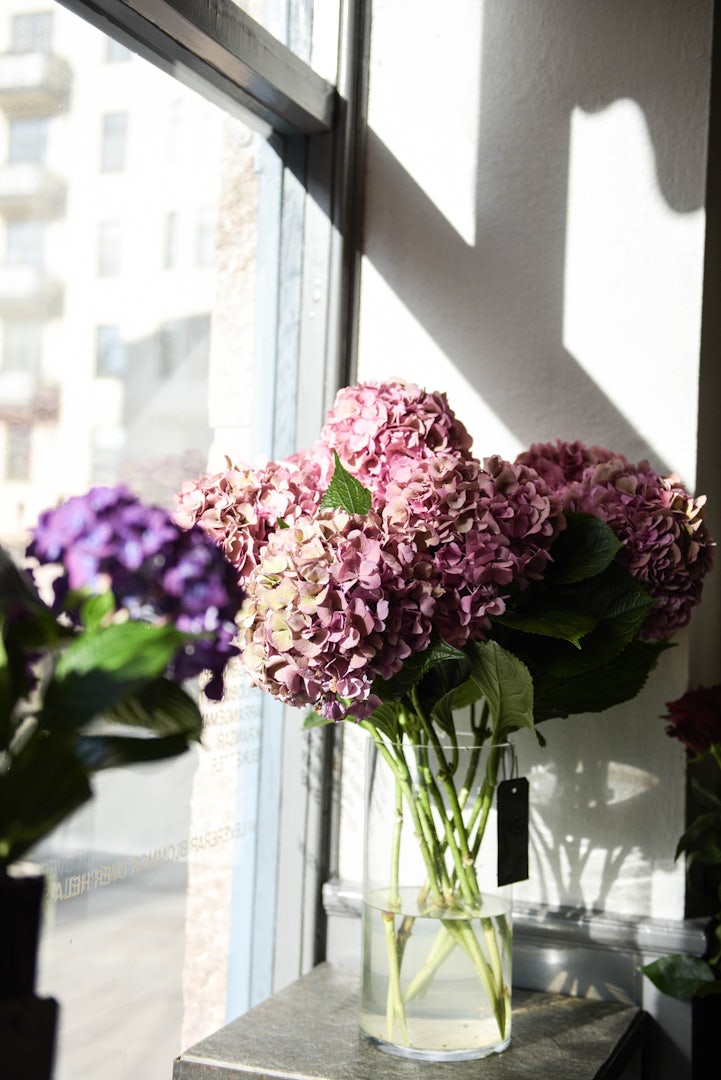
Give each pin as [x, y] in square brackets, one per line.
[309, 1031]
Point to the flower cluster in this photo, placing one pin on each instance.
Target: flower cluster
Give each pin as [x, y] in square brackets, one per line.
[665, 543]
[376, 427]
[333, 602]
[695, 719]
[240, 507]
[448, 541]
[156, 570]
[449, 546]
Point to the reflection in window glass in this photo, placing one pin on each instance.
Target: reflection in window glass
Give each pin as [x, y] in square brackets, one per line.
[120, 374]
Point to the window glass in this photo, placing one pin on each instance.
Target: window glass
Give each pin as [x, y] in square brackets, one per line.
[110, 353]
[148, 377]
[28, 139]
[110, 248]
[25, 243]
[22, 345]
[31, 31]
[114, 139]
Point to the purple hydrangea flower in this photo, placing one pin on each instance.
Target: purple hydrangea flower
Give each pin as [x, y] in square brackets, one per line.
[666, 544]
[156, 570]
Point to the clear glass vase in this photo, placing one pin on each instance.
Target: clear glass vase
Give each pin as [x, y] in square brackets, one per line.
[437, 935]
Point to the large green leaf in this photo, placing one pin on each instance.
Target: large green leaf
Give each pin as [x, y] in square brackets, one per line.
[45, 785]
[506, 684]
[594, 691]
[98, 752]
[682, 976]
[103, 666]
[567, 623]
[585, 548]
[162, 707]
[345, 492]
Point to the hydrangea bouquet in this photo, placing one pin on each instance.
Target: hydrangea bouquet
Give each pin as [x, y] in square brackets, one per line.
[396, 581]
[121, 606]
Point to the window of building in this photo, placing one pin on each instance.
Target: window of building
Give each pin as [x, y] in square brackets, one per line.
[31, 31]
[205, 237]
[114, 141]
[110, 248]
[25, 243]
[18, 453]
[170, 240]
[22, 345]
[110, 352]
[28, 139]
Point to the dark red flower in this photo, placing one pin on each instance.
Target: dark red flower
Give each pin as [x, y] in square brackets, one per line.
[695, 718]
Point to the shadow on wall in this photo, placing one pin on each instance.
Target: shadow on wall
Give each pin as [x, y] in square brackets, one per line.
[504, 296]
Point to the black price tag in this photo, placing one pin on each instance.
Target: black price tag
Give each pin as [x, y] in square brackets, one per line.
[512, 810]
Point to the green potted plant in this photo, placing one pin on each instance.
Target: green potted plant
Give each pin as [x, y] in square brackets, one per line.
[117, 607]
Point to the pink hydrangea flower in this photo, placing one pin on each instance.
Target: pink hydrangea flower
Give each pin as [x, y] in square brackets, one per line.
[372, 424]
[487, 528]
[333, 602]
[240, 506]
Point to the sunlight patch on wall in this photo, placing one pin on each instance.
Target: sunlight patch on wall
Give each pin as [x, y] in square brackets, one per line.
[393, 343]
[432, 128]
[632, 282]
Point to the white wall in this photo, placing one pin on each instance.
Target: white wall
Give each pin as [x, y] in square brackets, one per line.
[534, 247]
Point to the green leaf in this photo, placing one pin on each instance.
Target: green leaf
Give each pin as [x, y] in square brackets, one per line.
[506, 684]
[585, 548]
[345, 492]
[98, 752]
[569, 624]
[103, 666]
[419, 665]
[385, 720]
[682, 976]
[95, 608]
[45, 785]
[313, 719]
[163, 708]
[131, 650]
[597, 690]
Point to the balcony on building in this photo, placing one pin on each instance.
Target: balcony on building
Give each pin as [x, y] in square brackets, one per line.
[33, 84]
[30, 190]
[29, 292]
[28, 398]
